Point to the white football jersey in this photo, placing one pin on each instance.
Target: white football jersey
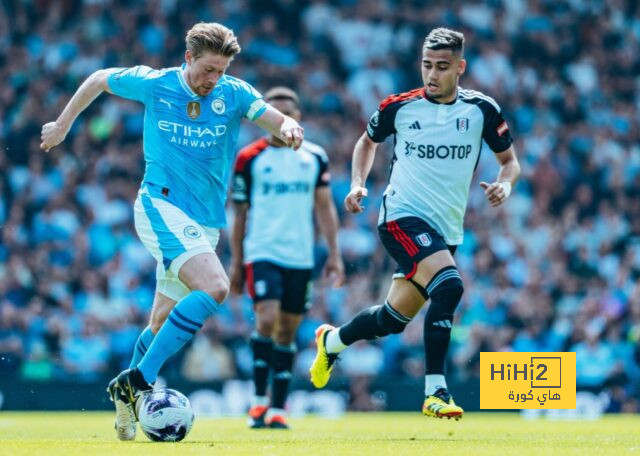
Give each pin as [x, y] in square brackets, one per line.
[436, 150]
[279, 184]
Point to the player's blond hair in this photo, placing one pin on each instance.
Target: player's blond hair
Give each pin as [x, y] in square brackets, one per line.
[211, 37]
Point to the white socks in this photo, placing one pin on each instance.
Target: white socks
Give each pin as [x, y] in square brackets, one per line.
[433, 383]
[333, 343]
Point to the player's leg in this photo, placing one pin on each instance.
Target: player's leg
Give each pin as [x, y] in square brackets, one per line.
[205, 276]
[169, 290]
[264, 282]
[295, 302]
[187, 250]
[438, 278]
[402, 304]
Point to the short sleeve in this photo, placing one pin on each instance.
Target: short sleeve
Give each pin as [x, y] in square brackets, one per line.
[496, 131]
[132, 83]
[324, 177]
[251, 101]
[240, 186]
[242, 179]
[381, 125]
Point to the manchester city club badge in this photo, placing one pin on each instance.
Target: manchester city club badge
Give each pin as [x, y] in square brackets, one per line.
[218, 106]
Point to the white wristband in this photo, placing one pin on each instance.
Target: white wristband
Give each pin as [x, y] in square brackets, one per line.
[506, 186]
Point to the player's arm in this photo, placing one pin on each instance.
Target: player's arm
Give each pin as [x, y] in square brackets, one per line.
[284, 127]
[237, 252]
[53, 133]
[327, 217]
[499, 191]
[363, 154]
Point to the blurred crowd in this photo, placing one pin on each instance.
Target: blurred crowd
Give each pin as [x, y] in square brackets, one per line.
[556, 269]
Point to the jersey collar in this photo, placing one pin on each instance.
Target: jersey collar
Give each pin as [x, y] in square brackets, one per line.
[184, 84]
[431, 100]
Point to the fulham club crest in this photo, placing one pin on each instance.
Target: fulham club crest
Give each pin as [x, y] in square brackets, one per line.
[462, 124]
[424, 239]
[193, 109]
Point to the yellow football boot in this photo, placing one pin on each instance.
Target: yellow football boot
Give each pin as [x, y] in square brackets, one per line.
[440, 405]
[322, 365]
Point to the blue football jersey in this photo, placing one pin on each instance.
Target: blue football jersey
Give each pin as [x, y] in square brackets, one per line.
[189, 141]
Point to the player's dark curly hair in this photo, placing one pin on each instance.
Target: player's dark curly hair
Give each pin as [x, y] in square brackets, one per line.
[211, 37]
[444, 38]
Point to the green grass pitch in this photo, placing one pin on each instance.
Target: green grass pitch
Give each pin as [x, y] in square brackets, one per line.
[373, 434]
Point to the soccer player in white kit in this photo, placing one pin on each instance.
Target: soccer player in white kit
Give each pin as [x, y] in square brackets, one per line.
[438, 131]
[276, 192]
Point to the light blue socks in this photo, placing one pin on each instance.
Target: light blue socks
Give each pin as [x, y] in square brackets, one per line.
[185, 319]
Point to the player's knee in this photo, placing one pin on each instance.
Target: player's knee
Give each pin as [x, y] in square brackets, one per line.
[284, 336]
[286, 332]
[447, 288]
[218, 290]
[266, 323]
[390, 320]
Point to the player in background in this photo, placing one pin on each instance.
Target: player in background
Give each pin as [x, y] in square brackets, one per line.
[192, 117]
[276, 192]
[438, 131]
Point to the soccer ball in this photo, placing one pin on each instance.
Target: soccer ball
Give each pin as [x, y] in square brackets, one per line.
[165, 415]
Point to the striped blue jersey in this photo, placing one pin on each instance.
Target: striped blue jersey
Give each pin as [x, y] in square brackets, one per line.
[189, 141]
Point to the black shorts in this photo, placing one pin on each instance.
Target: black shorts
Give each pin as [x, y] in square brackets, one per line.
[292, 287]
[409, 240]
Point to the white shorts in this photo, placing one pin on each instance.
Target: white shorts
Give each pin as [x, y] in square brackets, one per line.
[172, 237]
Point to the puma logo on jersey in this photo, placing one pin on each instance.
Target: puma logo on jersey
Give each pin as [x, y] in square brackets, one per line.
[162, 100]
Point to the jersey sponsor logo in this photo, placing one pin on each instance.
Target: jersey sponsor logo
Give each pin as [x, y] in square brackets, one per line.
[424, 239]
[462, 124]
[282, 188]
[441, 151]
[193, 109]
[502, 128]
[415, 126]
[192, 232]
[188, 135]
[218, 106]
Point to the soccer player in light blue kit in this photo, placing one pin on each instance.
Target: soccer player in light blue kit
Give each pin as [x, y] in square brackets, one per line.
[192, 117]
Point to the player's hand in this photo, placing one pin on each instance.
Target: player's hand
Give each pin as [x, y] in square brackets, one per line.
[334, 270]
[52, 134]
[497, 192]
[292, 134]
[354, 198]
[237, 278]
